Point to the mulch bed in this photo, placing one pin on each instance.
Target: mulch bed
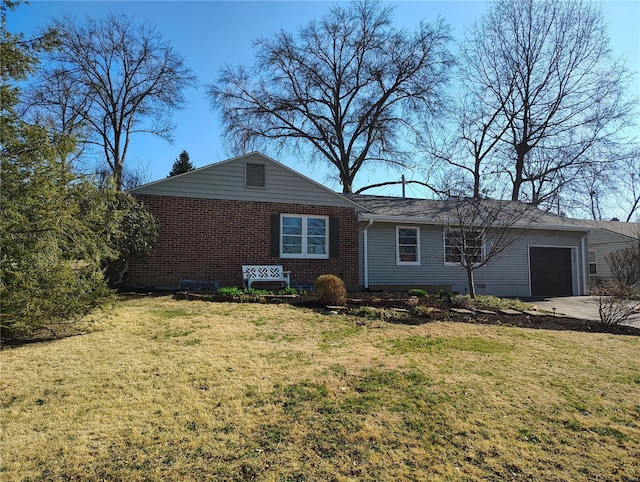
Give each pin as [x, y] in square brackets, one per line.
[401, 310]
[553, 323]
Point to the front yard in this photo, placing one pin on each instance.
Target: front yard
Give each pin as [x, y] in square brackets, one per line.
[192, 390]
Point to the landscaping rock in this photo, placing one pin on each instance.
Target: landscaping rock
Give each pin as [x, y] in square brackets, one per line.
[486, 312]
[508, 311]
[462, 311]
[534, 313]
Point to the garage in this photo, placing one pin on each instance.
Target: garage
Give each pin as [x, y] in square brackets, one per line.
[551, 271]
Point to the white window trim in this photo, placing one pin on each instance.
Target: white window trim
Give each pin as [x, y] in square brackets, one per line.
[408, 263]
[304, 254]
[461, 262]
[595, 262]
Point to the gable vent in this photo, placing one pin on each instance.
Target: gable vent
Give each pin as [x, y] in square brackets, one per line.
[254, 175]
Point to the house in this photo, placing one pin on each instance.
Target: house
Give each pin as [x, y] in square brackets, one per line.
[249, 210]
[253, 210]
[606, 237]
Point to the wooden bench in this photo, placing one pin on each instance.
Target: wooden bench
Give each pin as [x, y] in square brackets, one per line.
[251, 274]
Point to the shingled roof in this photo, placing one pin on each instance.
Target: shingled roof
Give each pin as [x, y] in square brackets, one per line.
[433, 211]
[630, 230]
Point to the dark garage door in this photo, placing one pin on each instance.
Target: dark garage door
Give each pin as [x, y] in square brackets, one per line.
[550, 271]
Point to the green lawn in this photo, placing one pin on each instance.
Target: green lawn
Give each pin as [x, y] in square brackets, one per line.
[191, 390]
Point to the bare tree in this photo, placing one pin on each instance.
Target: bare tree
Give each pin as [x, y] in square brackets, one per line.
[54, 101]
[466, 147]
[629, 191]
[110, 79]
[618, 300]
[616, 303]
[608, 189]
[625, 264]
[590, 191]
[465, 152]
[478, 231]
[544, 67]
[349, 89]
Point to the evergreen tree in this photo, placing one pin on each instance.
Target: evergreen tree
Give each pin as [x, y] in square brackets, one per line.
[58, 231]
[181, 165]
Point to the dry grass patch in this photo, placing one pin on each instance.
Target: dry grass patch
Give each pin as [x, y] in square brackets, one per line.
[190, 390]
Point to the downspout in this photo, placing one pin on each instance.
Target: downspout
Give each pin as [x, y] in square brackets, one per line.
[365, 241]
[585, 264]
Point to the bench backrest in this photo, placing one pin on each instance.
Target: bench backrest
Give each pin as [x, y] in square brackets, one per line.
[262, 272]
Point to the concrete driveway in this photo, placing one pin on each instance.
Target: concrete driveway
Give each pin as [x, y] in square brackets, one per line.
[581, 307]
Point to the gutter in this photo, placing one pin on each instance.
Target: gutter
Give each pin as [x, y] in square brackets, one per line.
[384, 218]
[365, 241]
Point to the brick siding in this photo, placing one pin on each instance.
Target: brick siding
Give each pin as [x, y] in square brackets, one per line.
[208, 239]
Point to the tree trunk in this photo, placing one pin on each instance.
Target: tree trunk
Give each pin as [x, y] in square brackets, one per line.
[117, 175]
[347, 183]
[518, 177]
[476, 182]
[472, 284]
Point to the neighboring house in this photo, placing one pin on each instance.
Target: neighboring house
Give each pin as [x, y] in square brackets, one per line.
[252, 210]
[606, 237]
[249, 210]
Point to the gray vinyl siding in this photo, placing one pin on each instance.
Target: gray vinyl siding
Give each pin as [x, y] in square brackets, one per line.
[605, 242]
[507, 275]
[226, 180]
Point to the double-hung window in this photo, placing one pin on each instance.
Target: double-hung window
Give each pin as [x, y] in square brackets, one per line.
[408, 245]
[463, 246]
[593, 262]
[303, 236]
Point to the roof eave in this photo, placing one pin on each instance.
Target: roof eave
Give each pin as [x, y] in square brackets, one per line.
[383, 218]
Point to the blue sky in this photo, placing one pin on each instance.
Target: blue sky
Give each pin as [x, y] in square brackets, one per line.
[210, 34]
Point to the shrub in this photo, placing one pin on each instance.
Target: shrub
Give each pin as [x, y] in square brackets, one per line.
[330, 290]
[444, 295]
[615, 302]
[417, 292]
[496, 303]
[256, 292]
[366, 312]
[230, 291]
[461, 301]
[133, 233]
[288, 291]
[425, 311]
[625, 264]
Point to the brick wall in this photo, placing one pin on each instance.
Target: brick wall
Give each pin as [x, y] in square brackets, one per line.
[211, 239]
